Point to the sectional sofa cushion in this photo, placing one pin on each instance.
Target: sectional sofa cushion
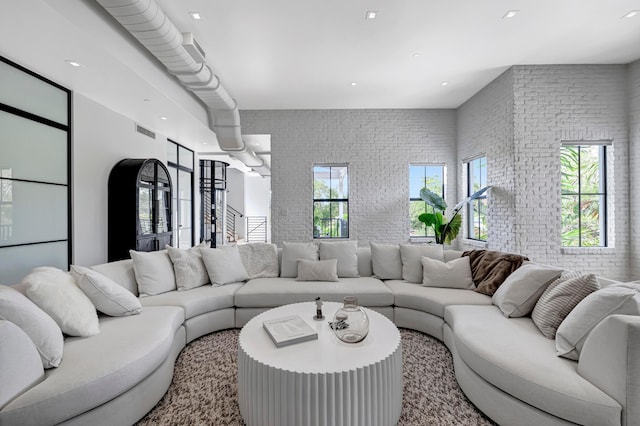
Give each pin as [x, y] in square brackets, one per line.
[121, 272]
[40, 327]
[17, 351]
[260, 260]
[346, 252]
[623, 298]
[491, 268]
[154, 272]
[188, 267]
[224, 265]
[411, 264]
[365, 267]
[57, 293]
[291, 253]
[197, 301]
[432, 300]
[520, 291]
[453, 274]
[107, 296]
[318, 270]
[386, 261]
[559, 299]
[270, 292]
[100, 368]
[513, 356]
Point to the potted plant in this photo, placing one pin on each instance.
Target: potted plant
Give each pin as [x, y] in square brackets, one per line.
[445, 230]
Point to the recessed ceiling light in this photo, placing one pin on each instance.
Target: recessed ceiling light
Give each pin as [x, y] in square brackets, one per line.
[163, 118]
[510, 14]
[371, 14]
[416, 55]
[146, 100]
[195, 15]
[204, 143]
[631, 14]
[354, 83]
[73, 63]
[444, 83]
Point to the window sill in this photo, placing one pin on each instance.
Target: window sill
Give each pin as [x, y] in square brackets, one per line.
[587, 250]
[475, 243]
[422, 240]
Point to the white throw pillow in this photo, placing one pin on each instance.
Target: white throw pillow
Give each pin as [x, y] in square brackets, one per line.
[318, 270]
[291, 253]
[106, 295]
[224, 265]
[411, 260]
[347, 255]
[386, 261]
[623, 298]
[260, 260]
[188, 267]
[40, 327]
[56, 293]
[153, 271]
[453, 274]
[519, 293]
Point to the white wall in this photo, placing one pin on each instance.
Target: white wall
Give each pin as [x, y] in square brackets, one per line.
[378, 145]
[258, 199]
[634, 167]
[236, 198]
[101, 138]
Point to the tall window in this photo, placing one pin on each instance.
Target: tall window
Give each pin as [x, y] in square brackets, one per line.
[331, 201]
[584, 195]
[180, 165]
[430, 176]
[477, 209]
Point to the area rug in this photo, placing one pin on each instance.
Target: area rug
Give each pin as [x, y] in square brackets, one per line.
[204, 388]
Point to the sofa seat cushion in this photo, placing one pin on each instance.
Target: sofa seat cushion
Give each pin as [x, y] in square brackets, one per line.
[512, 354]
[196, 301]
[271, 292]
[96, 369]
[433, 300]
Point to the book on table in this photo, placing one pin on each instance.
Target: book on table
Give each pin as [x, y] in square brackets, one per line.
[289, 330]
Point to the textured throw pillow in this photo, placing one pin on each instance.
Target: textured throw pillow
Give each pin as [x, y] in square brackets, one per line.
[153, 271]
[317, 270]
[260, 260]
[40, 327]
[411, 263]
[623, 298]
[519, 293]
[453, 274]
[559, 299]
[56, 293]
[386, 261]
[490, 268]
[224, 265]
[106, 295]
[188, 267]
[291, 253]
[347, 255]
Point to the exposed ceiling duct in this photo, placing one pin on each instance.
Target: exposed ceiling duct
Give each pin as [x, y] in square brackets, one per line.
[185, 59]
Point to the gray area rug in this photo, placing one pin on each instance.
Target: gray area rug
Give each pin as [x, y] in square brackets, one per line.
[204, 387]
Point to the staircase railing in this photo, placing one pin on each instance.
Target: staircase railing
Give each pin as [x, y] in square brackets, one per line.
[256, 229]
[232, 214]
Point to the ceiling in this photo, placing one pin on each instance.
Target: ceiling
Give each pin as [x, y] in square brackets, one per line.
[292, 54]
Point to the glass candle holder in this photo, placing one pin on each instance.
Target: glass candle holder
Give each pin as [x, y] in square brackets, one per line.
[350, 322]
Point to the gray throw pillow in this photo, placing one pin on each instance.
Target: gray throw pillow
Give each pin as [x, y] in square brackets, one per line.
[453, 274]
[106, 295]
[318, 270]
[224, 265]
[291, 253]
[559, 299]
[386, 261]
[154, 272]
[260, 259]
[188, 267]
[347, 255]
[412, 260]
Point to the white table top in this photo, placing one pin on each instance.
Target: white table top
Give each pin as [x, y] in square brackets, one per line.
[327, 354]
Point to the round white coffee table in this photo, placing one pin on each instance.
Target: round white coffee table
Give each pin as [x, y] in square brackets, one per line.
[323, 381]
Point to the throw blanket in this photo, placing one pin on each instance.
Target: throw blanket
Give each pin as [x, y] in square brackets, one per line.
[489, 268]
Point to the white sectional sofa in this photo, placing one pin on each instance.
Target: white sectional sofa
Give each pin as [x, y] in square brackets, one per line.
[506, 367]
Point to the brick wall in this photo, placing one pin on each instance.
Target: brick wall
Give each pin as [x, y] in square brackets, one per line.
[634, 167]
[378, 145]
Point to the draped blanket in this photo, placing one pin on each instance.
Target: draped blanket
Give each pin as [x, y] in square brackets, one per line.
[489, 268]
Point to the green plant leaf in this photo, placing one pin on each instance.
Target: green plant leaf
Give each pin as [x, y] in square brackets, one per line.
[433, 199]
[428, 219]
[452, 230]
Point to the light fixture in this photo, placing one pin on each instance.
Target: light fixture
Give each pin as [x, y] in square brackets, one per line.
[444, 83]
[204, 143]
[163, 118]
[371, 14]
[354, 83]
[416, 55]
[146, 100]
[195, 15]
[510, 14]
[73, 63]
[631, 14]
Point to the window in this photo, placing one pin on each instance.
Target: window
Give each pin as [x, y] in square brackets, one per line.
[477, 209]
[420, 176]
[331, 201]
[180, 162]
[583, 184]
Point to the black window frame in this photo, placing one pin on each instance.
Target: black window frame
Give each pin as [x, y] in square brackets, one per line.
[470, 222]
[331, 200]
[429, 234]
[179, 168]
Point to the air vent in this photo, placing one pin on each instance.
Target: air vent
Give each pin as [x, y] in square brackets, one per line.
[193, 48]
[145, 132]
